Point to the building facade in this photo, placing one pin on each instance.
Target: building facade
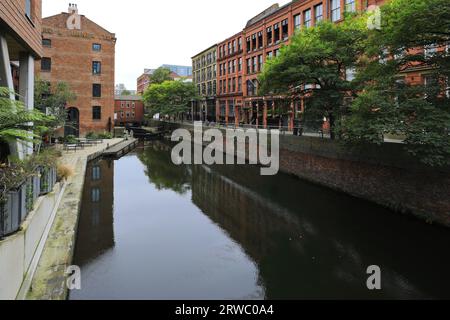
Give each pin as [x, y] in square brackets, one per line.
[205, 79]
[230, 74]
[182, 71]
[129, 110]
[242, 57]
[20, 47]
[82, 54]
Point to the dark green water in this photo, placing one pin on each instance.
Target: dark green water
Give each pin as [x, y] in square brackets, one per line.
[152, 230]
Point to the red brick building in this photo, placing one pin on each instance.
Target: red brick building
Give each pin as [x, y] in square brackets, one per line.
[237, 100]
[128, 110]
[230, 75]
[81, 53]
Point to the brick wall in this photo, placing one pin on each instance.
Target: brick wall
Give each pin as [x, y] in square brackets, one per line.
[72, 56]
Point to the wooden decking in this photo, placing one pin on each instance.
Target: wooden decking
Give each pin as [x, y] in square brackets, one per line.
[121, 149]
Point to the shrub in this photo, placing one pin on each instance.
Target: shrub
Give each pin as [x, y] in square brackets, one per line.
[91, 135]
[65, 171]
[105, 135]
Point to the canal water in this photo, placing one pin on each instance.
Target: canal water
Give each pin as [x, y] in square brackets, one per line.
[152, 230]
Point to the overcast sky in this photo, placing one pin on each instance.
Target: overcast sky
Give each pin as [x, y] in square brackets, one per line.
[156, 32]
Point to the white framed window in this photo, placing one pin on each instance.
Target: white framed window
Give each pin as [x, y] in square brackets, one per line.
[350, 74]
[335, 10]
[307, 18]
[297, 22]
[350, 6]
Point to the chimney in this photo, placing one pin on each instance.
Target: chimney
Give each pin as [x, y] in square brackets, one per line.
[73, 8]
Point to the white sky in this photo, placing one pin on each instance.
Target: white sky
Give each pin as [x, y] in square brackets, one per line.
[155, 32]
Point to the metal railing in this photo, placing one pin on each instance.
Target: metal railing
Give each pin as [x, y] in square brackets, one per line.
[299, 130]
[20, 200]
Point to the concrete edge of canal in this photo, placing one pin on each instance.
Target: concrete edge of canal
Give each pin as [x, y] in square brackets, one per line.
[49, 278]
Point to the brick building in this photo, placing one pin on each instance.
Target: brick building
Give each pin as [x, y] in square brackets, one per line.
[242, 56]
[20, 47]
[81, 53]
[230, 73]
[205, 79]
[129, 110]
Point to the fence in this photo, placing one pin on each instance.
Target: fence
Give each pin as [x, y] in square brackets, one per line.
[20, 201]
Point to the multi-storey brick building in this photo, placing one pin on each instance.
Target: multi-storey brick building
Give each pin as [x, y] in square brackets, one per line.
[230, 73]
[204, 76]
[20, 46]
[241, 58]
[82, 54]
[129, 110]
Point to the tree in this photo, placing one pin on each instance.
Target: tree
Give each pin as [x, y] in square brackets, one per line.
[388, 104]
[314, 65]
[53, 101]
[160, 75]
[126, 92]
[169, 98]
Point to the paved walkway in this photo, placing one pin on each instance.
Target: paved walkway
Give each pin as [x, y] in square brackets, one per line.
[49, 281]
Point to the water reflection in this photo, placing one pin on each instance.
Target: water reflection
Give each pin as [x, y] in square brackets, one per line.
[97, 208]
[197, 232]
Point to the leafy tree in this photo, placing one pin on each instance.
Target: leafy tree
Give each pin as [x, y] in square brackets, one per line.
[126, 92]
[160, 75]
[53, 101]
[19, 123]
[314, 66]
[389, 105]
[169, 98]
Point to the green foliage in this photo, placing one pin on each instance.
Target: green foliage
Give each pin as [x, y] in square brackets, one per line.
[126, 93]
[19, 123]
[314, 65]
[161, 171]
[169, 97]
[389, 105]
[91, 135]
[14, 174]
[53, 100]
[160, 75]
[105, 135]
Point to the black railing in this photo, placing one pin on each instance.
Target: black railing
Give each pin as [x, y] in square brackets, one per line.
[20, 201]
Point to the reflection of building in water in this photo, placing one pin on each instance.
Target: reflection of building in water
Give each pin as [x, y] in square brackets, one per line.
[96, 218]
[307, 246]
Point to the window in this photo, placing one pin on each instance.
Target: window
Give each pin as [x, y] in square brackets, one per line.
[97, 47]
[260, 40]
[335, 10]
[240, 84]
[269, 35]
[285, 29]
[229, 85]
[260, 62]
[297, 23]
[96, 90]
[240, 44]
[249, 63]
[234, 84]
[229, 48]
[46, 64]
[350, 74]
[254, 42]
[47, 43]
[234, 66]
[96, 173]
[240, 64]
[350, 6]
[96, 113]
[269, 54]
[254, 64]
[276, 30]
[249, 46]
[318, 13]
[28, 8]
[234, 46]
[95, 195]
[96, 67]
[430, 51]
[307, 18]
